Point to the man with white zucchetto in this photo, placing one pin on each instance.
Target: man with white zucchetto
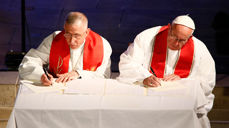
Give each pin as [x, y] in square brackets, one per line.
[170, 53]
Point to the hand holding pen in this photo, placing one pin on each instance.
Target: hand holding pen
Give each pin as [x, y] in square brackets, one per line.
[152, 81]
[46, 78]
[157, 80]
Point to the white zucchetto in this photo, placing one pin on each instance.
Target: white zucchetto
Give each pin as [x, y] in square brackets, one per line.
[184, 20]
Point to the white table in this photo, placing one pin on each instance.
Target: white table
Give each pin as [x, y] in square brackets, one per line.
[111, 105]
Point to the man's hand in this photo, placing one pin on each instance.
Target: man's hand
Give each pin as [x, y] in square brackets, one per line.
[152, 81]
[45, 81]
[67, 77]
[171, 77]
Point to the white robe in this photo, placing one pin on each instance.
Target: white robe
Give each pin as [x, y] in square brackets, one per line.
[31, 65]
[136, 60]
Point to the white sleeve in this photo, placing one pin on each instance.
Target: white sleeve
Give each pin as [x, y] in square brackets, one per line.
[131, 63]
[206, 74]
[103, 71]
[31, 65]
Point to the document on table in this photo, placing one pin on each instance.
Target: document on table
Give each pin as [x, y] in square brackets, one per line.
[167, 86]
[39, 88]
[89, 86]
[113, 87]
[77, 86]
[107, 87]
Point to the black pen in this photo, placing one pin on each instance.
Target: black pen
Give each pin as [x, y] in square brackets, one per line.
[151, 69]
[46, 72]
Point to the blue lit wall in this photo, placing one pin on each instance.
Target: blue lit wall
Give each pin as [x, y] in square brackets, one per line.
[119, 21]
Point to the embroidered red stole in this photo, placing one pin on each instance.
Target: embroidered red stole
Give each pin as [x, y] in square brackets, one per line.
[60, 53]
[184, 63]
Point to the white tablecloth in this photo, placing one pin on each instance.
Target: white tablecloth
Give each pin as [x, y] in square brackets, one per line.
[108, 104]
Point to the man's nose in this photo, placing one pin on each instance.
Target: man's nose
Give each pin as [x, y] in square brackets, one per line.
[176, 42]
[72, 40]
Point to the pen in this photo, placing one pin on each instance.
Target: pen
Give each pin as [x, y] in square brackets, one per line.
[151, 69]
[46, 72]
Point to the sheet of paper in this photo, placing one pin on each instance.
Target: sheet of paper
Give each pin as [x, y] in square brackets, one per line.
[89, 86]
[39, 88]
[114, 87]
[169, 87]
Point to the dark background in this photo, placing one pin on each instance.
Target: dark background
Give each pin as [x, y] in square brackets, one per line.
[119, 21]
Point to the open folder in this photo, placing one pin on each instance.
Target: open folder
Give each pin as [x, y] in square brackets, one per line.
[104, 87]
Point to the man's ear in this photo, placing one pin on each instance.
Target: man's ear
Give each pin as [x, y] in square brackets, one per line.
[169, 26]
[87, 31]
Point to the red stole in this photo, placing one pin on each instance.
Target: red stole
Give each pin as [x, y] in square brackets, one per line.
[60, 53]
[184, 63]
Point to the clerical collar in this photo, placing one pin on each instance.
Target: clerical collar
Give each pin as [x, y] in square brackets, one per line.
[80, 47]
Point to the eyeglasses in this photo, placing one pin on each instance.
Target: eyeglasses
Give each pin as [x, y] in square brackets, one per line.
[175, 38]
[75, 36]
